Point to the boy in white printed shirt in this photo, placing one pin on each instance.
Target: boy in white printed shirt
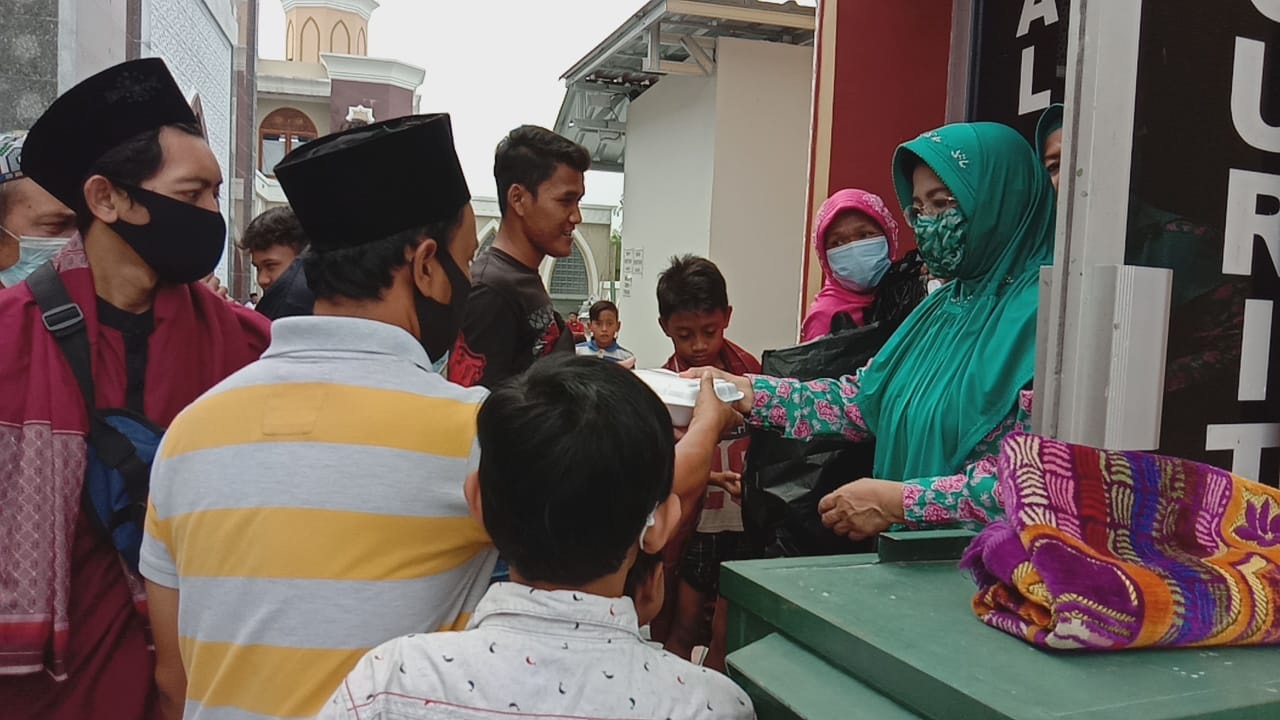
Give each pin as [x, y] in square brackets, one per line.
[561, 639]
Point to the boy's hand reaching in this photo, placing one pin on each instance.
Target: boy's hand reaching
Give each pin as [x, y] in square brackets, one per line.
[731, 482]
[743, 406]
[712, 420]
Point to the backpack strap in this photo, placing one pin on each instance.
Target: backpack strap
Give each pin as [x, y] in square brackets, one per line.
[64, 319]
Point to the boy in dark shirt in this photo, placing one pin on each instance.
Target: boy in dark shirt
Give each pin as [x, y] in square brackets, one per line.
[509, 320]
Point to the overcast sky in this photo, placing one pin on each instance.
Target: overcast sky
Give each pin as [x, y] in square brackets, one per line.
[492, 64]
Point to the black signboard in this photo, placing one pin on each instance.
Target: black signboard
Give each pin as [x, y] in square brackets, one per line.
[1205, 202]
[1019, 60]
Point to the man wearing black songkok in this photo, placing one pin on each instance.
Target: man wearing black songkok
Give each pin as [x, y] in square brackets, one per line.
[347, 463]
[122, 150]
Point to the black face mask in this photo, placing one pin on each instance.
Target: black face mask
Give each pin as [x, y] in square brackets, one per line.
[440, 323]
[183, 243]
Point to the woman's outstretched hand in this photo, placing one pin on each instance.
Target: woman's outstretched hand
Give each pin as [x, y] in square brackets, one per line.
[863, 508]
[744, 405]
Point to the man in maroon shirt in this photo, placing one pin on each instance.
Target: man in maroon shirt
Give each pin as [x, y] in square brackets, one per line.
[122, 150]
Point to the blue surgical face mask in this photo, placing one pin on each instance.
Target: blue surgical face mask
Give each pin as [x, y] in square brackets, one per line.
[860, 265]
[32, 253]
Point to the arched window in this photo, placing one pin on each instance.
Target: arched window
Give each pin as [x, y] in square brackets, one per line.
[340, 39]
[309, 43]
[361, 47]
[288, 41]
[569, 279]
[282, 131]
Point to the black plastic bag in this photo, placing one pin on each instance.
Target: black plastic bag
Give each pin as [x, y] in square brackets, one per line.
[785, 479]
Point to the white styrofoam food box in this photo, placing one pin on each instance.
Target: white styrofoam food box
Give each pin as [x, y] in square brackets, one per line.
[681, 394]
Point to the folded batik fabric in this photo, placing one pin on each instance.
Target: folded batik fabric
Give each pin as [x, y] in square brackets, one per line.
[1111, 550]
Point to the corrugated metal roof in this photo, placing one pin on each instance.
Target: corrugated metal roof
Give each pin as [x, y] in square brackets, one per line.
[664, 37]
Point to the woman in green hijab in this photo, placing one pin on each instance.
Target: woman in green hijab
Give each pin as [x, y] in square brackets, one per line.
[956, 377]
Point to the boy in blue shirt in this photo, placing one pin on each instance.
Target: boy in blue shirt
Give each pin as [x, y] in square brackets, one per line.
[604, 336]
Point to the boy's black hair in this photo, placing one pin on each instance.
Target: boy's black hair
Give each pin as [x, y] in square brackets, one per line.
[691, 284]
[277, 226]
[563, 511]
[363, 272]
[528, 156]
[601, 307]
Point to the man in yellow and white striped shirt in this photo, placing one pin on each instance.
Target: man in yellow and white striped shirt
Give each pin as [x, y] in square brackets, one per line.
[311, 506]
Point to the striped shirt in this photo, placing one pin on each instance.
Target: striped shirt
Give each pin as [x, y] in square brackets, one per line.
[309, 508]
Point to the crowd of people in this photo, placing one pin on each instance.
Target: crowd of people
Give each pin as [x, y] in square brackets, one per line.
[370, 494]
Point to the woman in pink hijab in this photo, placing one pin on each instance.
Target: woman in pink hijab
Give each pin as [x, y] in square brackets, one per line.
[856, 241]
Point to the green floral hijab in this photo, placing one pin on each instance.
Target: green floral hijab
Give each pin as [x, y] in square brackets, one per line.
[954, 369]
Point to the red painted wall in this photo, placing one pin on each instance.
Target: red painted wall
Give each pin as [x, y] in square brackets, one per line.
[890, 63]
[890, 85]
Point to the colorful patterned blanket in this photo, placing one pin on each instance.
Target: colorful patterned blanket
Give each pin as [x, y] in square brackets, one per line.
[1112, 550]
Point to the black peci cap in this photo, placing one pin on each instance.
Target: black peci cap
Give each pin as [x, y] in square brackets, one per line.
[95, 116]
[371, 182]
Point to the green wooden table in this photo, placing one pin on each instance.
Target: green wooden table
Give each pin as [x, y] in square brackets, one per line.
[864, 637]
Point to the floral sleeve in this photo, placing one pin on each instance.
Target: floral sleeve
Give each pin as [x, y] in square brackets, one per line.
[803, 410]
[968, 499]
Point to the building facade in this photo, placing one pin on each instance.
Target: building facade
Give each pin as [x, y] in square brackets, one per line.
[704, 107]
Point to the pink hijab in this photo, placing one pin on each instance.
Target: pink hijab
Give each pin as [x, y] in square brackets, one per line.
[834, 298]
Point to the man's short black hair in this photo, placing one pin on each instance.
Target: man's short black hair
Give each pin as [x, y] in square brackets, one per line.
[133, 161]
[277, 226]
[363, 272]
[691, 284]
[560, 510]
[528, 156]
[600, 308]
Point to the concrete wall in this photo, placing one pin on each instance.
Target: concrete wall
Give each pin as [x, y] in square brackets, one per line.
[28, 62]
[718, 166]
[47, 46]
[668, 190]
[762, 115]
[100, 40]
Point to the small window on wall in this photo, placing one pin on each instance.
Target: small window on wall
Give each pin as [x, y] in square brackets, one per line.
[281, 132]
